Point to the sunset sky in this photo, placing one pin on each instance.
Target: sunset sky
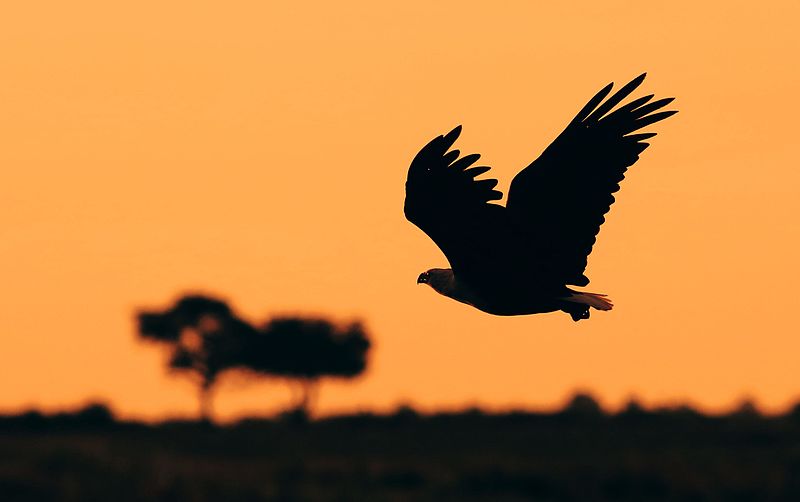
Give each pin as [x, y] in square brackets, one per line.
[257, 151]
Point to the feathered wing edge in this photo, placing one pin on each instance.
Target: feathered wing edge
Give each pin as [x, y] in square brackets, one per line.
[567, 190]
[446, 201]
[628, 118]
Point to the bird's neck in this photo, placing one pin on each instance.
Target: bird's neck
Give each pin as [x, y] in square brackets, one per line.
[442, 280]
[445, 283]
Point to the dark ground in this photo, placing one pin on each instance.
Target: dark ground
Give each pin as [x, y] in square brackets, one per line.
[579, 454]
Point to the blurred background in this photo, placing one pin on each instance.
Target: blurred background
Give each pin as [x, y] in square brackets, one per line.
[255, 153]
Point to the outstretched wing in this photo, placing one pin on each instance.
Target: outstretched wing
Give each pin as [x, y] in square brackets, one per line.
[559, 201]
[444, 199]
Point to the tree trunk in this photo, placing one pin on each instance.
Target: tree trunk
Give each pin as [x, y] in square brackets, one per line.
[206, 410]
[296, 399]
[310, 389]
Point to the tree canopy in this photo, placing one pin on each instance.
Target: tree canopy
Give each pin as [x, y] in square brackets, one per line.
[206, 337]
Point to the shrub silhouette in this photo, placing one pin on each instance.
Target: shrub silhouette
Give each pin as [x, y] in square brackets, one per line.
[583, 404]
[204, 336]
[305, 350]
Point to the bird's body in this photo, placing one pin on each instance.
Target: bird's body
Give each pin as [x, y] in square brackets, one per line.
[505, 298]
[520, 259]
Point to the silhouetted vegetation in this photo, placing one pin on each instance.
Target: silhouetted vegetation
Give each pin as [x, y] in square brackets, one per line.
[580, 453]
[583, 405]
[307, 350]
[206, 338]
[91, 416]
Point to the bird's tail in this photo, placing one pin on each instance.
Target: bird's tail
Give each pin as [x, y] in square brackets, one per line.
[595, 300]
[579, 303]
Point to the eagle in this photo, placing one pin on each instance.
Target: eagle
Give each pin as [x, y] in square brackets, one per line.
[521, 258]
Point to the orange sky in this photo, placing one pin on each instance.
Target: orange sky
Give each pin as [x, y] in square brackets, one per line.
[258, 151]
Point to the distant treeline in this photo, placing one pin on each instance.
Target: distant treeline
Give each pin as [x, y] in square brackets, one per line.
[580, 453]
[582, 407]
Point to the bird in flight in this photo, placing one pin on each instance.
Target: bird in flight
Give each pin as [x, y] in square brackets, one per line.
[521, 258]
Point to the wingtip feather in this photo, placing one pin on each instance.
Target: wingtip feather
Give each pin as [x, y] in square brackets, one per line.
[452, 136]
[455, 131]
[592, 104]
[616, 98]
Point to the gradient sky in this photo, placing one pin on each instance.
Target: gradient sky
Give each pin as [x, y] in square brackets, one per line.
[257, 151]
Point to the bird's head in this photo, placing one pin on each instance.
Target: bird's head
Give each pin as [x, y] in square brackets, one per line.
[440, 279]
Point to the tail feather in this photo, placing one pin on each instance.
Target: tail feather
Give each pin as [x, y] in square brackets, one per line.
[583, 301]
[595, 300]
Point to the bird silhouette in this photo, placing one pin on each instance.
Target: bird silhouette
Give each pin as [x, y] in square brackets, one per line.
[521, 258]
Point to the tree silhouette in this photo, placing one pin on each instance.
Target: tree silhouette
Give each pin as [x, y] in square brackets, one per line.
[305, 350]
[205, 338]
